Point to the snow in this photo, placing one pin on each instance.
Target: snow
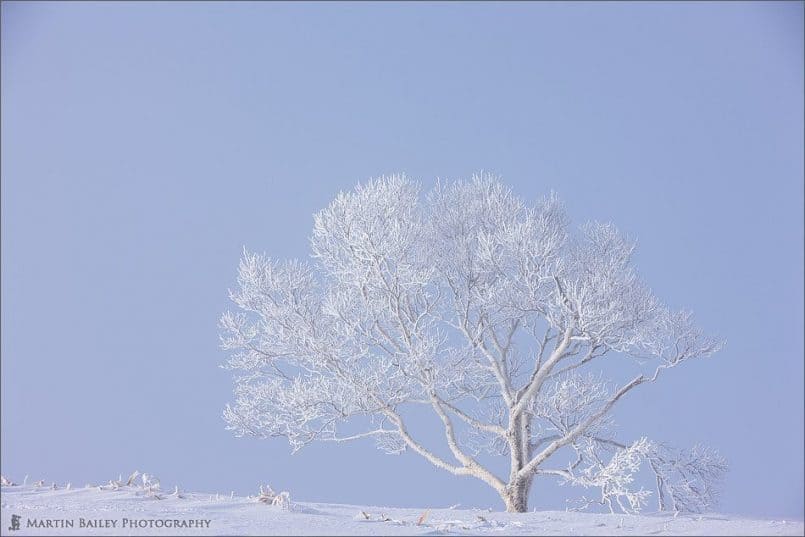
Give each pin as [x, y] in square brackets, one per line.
[108, 510]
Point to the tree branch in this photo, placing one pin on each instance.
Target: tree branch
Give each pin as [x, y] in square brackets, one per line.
[539, 375]
[469, 463]
[489, 427]
[437, 461]
[579, 429]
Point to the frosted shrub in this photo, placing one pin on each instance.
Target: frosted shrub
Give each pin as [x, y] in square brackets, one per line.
[268, 496]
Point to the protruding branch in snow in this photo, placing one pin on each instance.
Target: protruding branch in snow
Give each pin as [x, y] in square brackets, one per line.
[269, 497]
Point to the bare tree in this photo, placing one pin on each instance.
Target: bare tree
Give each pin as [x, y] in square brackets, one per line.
[483, 309]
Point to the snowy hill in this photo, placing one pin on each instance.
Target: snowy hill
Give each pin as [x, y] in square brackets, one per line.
[118, 509]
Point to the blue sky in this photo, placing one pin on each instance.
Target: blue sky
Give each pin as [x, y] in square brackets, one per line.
[144, 144]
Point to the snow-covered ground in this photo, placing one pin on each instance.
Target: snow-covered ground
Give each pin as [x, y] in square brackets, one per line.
[132, 510]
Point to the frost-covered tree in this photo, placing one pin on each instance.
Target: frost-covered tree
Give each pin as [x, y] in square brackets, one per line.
[481, 308]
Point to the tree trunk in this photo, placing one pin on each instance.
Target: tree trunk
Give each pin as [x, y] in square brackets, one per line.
[516, 497]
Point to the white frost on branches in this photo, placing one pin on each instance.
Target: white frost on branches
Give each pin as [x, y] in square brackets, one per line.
[475, 305]
[615, 478]
[687, 480]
